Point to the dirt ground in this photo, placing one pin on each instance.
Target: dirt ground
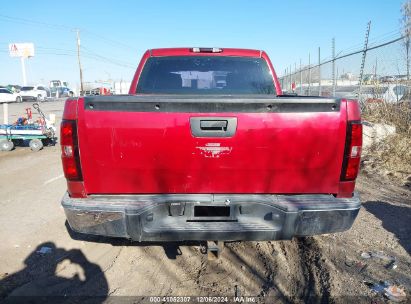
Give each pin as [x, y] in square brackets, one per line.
[320, 269]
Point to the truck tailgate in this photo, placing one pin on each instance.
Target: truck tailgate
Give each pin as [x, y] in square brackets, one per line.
[217, 144]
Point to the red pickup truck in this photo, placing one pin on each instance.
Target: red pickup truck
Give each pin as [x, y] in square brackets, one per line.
[206, 147]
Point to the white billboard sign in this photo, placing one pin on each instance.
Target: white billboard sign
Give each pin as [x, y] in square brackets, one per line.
[21, 50]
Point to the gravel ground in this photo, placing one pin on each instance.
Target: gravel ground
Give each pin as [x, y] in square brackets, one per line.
[318, 269]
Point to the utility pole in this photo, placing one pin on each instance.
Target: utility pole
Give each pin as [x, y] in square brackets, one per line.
[285, 79]
[23, 69]
[336, 78]
[301, 79]
[333, 55]
[319, 72]
[375, 69]
[295, 75]
[406, 32]
[309, 74]
[79, 62]
[364, 54]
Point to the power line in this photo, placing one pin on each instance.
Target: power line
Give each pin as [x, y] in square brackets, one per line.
[353, 53]
[33, 22]
[65, 28]
[116, 61]
[85, 54]
[55, 49]
[110, 41]
[64, 52]
[375, 41]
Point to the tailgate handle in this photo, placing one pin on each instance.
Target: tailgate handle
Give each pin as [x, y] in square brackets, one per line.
[213, 125]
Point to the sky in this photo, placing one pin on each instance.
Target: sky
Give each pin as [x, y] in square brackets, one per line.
[115, 34]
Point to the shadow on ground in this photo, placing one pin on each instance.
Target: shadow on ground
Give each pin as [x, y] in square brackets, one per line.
[395, 219]
[171, 249]
[251, 268]
[43, 281]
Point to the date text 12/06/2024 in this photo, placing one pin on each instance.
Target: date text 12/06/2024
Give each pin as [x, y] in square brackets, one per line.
[202, 299]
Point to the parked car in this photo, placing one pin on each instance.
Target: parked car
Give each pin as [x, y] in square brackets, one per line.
[38, 93]
[62, 92]
[97, 91]
[48, 92]
[8, 96]
[183, 158]
[60, 88]
[14, 88]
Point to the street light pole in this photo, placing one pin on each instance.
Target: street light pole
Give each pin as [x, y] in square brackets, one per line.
[23, 69]
[79, 62]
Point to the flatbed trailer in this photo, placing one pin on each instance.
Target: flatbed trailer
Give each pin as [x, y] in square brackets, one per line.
[11, 136]
[37, 135]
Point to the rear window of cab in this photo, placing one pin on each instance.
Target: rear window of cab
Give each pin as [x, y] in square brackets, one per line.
[205, 75]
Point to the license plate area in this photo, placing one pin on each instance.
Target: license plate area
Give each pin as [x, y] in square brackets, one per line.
[212, 213]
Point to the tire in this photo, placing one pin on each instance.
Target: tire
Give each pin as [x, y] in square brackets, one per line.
[6, 145]
[19, 99]
[36, 145]
[71, 94]
[40, 98]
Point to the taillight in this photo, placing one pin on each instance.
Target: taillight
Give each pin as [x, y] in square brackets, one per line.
[352, 153]
[69, 150]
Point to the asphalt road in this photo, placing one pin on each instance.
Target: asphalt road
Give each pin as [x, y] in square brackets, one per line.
[39, 255]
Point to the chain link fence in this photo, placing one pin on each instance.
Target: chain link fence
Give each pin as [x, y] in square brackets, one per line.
[384, 74]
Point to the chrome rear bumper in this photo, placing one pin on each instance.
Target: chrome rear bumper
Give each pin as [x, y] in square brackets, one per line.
[172, 217]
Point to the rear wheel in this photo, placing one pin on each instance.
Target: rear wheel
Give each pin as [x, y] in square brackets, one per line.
[36, 145]
[6, 145]
[18, 99]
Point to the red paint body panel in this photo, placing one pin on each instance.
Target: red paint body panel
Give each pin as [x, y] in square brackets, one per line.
[353, 110]
[74, 188]
[276, 81]
[189, 52]
[156, 153]
[135, 152]
[136, 77]
[346, 189]
[70, 109]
